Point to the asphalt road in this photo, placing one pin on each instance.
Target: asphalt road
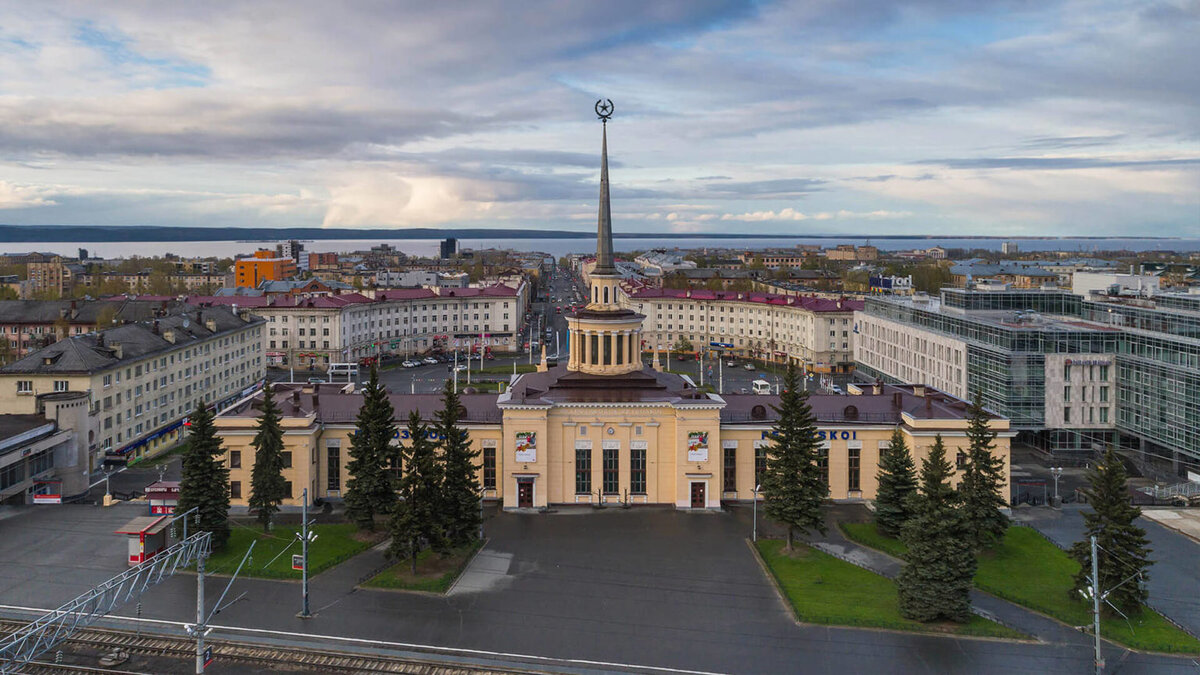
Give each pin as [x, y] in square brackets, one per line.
[648, 587]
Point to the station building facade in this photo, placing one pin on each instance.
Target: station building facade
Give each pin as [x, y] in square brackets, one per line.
[549, 441]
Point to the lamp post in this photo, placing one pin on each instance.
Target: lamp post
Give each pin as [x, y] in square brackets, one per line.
[1056, 472]
[754, 532]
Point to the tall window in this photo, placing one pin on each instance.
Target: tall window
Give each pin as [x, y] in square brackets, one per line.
[612, 473]
[854, 459]
[620, 339]
[595, 351]
[637, 471]
[333, 465]
[1104, 372]
[608, 340]
[235, 459]
[489, 468]
[583, 470]
[730, 469]
[760, 461]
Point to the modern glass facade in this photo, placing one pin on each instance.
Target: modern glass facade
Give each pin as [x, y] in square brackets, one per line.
[1155, 344]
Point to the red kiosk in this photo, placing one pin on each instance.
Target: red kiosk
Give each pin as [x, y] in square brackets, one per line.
[147, 537]
[163, 496]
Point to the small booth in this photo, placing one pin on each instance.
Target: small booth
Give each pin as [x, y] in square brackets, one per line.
[163, 496]
[147, 537]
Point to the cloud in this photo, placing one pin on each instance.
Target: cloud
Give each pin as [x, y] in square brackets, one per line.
[789, 214]
[22, 196]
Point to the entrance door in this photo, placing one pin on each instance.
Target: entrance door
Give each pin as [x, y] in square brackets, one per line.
[698, 495]
[525, 493]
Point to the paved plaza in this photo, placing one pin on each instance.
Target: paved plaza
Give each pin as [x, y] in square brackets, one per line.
[650, 587]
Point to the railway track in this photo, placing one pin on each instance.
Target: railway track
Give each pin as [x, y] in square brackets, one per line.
[255, 656]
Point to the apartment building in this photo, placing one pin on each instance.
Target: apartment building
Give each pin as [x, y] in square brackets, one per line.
[776, 259]
[143, 378]
[29, 325]
[853, 253]
[264, 266]
[312, 332]
[816, 333]
[1072, 372]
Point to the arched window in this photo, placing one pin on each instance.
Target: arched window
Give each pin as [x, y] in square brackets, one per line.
[606, 295]
[595, 294]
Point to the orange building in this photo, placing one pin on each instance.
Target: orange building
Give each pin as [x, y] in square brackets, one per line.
[264, 266]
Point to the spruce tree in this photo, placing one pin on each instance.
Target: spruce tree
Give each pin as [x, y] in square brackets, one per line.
[1123, 551]
[935, 584]
[205, 481]
[369, 490]
[982, 481]
[460, 483]
[415, 522]
[267, 486]
[793, 487]
[897, 479]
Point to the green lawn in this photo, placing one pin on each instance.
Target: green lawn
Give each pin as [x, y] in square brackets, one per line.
[334, 544]
[435, 574]
[825, 590]
[1029, 570]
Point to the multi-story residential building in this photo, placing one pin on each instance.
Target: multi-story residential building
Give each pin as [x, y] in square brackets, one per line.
[264, 266]
[322, 261]
[417, 278]
[851, 252]
[54, 276]
[29, 325]
[1071, 372]
[774, 259]
[42, 455]
[142, 379]
[816, 333]
[312, 332]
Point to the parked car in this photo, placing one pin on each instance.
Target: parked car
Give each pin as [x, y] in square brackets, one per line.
[430, 360]
[749, 366]
[731, 364]
[411, 364]
[316, 380]
[460, 367]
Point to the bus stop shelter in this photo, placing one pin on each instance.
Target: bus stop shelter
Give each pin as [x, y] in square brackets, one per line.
[147, 537]
[163, 496]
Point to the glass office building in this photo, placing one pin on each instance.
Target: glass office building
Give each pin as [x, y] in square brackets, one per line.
[1072, 373]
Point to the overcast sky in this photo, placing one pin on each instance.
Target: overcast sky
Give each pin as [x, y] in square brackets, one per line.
[875, 117]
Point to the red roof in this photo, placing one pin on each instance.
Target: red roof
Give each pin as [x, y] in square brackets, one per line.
[811, 303]
[344, 299]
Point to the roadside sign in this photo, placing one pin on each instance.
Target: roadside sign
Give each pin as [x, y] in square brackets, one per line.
[297, 561]
[727, 345]
[208, 657]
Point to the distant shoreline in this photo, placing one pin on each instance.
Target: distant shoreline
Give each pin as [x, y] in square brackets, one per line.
[95, 233]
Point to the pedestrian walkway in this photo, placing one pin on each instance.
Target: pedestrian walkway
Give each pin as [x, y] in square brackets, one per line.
[343, 577]
[1183, 521]
[988, 606]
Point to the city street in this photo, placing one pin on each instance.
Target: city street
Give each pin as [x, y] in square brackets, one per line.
[652, 587]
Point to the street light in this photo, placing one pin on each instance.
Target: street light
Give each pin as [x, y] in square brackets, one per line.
[1056, 472]
[754, 533]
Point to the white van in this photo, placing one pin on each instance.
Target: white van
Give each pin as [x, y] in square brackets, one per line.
[761, 387]
[343, 369]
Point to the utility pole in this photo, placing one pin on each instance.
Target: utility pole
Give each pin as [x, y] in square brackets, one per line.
[200, 627]
[754, 534]
[1096, 606]
[304, 613]
[721, 372]
[456, 371]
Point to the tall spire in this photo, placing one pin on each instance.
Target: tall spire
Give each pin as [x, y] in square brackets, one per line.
[604, 243]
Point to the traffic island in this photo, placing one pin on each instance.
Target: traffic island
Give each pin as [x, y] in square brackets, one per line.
[435, 573]
[822, 589]
[272, 557]
[1029, 570]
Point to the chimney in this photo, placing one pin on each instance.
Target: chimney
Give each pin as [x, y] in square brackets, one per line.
[211, 325]
[918, 390]
[296, 397]
[929, 405]
[154, 327]
[168, 335]
[897, 400]
[316, 398]
[116, 348]
[877, 388]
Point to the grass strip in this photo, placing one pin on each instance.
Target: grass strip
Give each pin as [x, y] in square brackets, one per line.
[435, 573]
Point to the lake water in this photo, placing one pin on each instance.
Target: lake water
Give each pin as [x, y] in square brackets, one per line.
[559, 247]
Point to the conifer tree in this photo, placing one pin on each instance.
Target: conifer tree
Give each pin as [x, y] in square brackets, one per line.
[460, 483]
[267, 486]
[415, 522]
[1123, 550]
[897, 484]
[793, 486]
[369, 489]
[205, 481]
[982, 481]
[935, 584]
